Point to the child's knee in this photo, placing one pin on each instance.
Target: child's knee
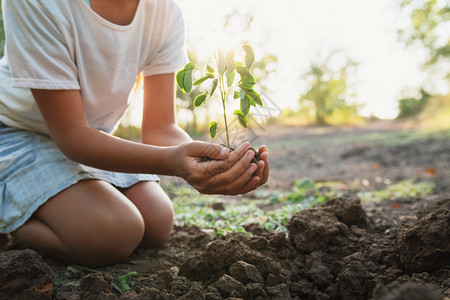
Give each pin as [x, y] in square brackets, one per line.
[114, 240]
[159, 226]
[125, 233]
[125, 236]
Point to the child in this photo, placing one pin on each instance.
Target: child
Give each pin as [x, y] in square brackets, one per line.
[67, 186]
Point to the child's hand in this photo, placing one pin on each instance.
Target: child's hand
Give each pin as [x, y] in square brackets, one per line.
[263, 166]
[227, 173]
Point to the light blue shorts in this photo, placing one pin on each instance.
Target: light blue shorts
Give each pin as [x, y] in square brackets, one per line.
[33, 169]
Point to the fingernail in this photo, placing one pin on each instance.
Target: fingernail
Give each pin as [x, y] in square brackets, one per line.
[250, 154]
[223, 151]
[253, 168]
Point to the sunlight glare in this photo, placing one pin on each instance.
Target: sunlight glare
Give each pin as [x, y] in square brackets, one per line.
[296, 31]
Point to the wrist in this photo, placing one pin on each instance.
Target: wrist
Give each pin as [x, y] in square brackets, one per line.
[172, 161]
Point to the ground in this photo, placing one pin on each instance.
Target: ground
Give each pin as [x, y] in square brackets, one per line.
[380, 229]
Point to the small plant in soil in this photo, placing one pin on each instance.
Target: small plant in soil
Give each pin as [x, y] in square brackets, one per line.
[224, 79]
[125, 282]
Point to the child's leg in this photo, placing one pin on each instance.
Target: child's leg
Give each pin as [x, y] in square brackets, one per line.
[90, 223]
[156, 209]
[4, 241]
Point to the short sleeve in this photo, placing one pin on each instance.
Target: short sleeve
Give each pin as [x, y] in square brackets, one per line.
[37, 50]
[171, 55]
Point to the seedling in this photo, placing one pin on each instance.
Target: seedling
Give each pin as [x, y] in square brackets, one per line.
[224, 79]
[125, 282]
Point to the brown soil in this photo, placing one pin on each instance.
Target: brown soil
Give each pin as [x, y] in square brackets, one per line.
[255, 159]
[343, 249]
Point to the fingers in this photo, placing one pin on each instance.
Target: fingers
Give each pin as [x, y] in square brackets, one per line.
[230, 176]
[252, 184]
[264, 156]
[236, 176]
[256, 179]
[216, 167]
[259, 171]
[243, 184]
[208, 150]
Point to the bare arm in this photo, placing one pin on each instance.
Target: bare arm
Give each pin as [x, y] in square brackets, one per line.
[64, 114]
[158, 121]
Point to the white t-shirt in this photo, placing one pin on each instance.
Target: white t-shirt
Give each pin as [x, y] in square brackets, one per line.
[64, 45]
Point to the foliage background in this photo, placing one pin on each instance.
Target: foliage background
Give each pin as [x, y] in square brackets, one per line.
[328, 85]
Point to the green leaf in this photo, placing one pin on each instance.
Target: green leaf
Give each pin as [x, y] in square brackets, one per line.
[125, 287]
[213, 129]
[252, 94]
[209, 68]
[246, 86]
[180, 80]
[245, 105]
[221, 63]
[249, 56]
[243, 95]
[237, 95]
[243, 71]
[188, 81]
[203, 79]
[200, 99]
[242, 119]
[255, 97]
[230, 77]
[249, 79]
[189, 66]
[214, 85]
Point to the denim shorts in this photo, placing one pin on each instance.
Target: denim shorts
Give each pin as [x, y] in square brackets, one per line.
[33, 169]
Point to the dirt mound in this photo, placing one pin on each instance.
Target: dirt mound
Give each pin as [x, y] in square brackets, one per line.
[333, 251]
[24, 275]
[426, 245]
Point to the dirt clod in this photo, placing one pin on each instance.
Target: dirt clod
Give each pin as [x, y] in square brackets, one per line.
[315, 229]
[426, 245]
[348, 211]
[245, 273]
[230, 287]
[24, 275]
[409, 291]
[96, 286]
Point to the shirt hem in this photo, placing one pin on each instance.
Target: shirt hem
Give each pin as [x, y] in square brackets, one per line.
[157, 71]
[44, 84]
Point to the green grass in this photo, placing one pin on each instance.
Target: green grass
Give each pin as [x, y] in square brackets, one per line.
[272, 209]
[402, 189]
[391, 138]
[405, 137]
[235, 216]
[271, 212]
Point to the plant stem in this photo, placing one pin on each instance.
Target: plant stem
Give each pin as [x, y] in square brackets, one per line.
[222, 95]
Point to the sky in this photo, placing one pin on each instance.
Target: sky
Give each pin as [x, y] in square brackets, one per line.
[300, 31]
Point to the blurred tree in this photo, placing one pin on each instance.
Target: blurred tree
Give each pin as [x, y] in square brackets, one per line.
[328, 88]
[428, 25]
[2, 33]
[263, 68]
[412, 106]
